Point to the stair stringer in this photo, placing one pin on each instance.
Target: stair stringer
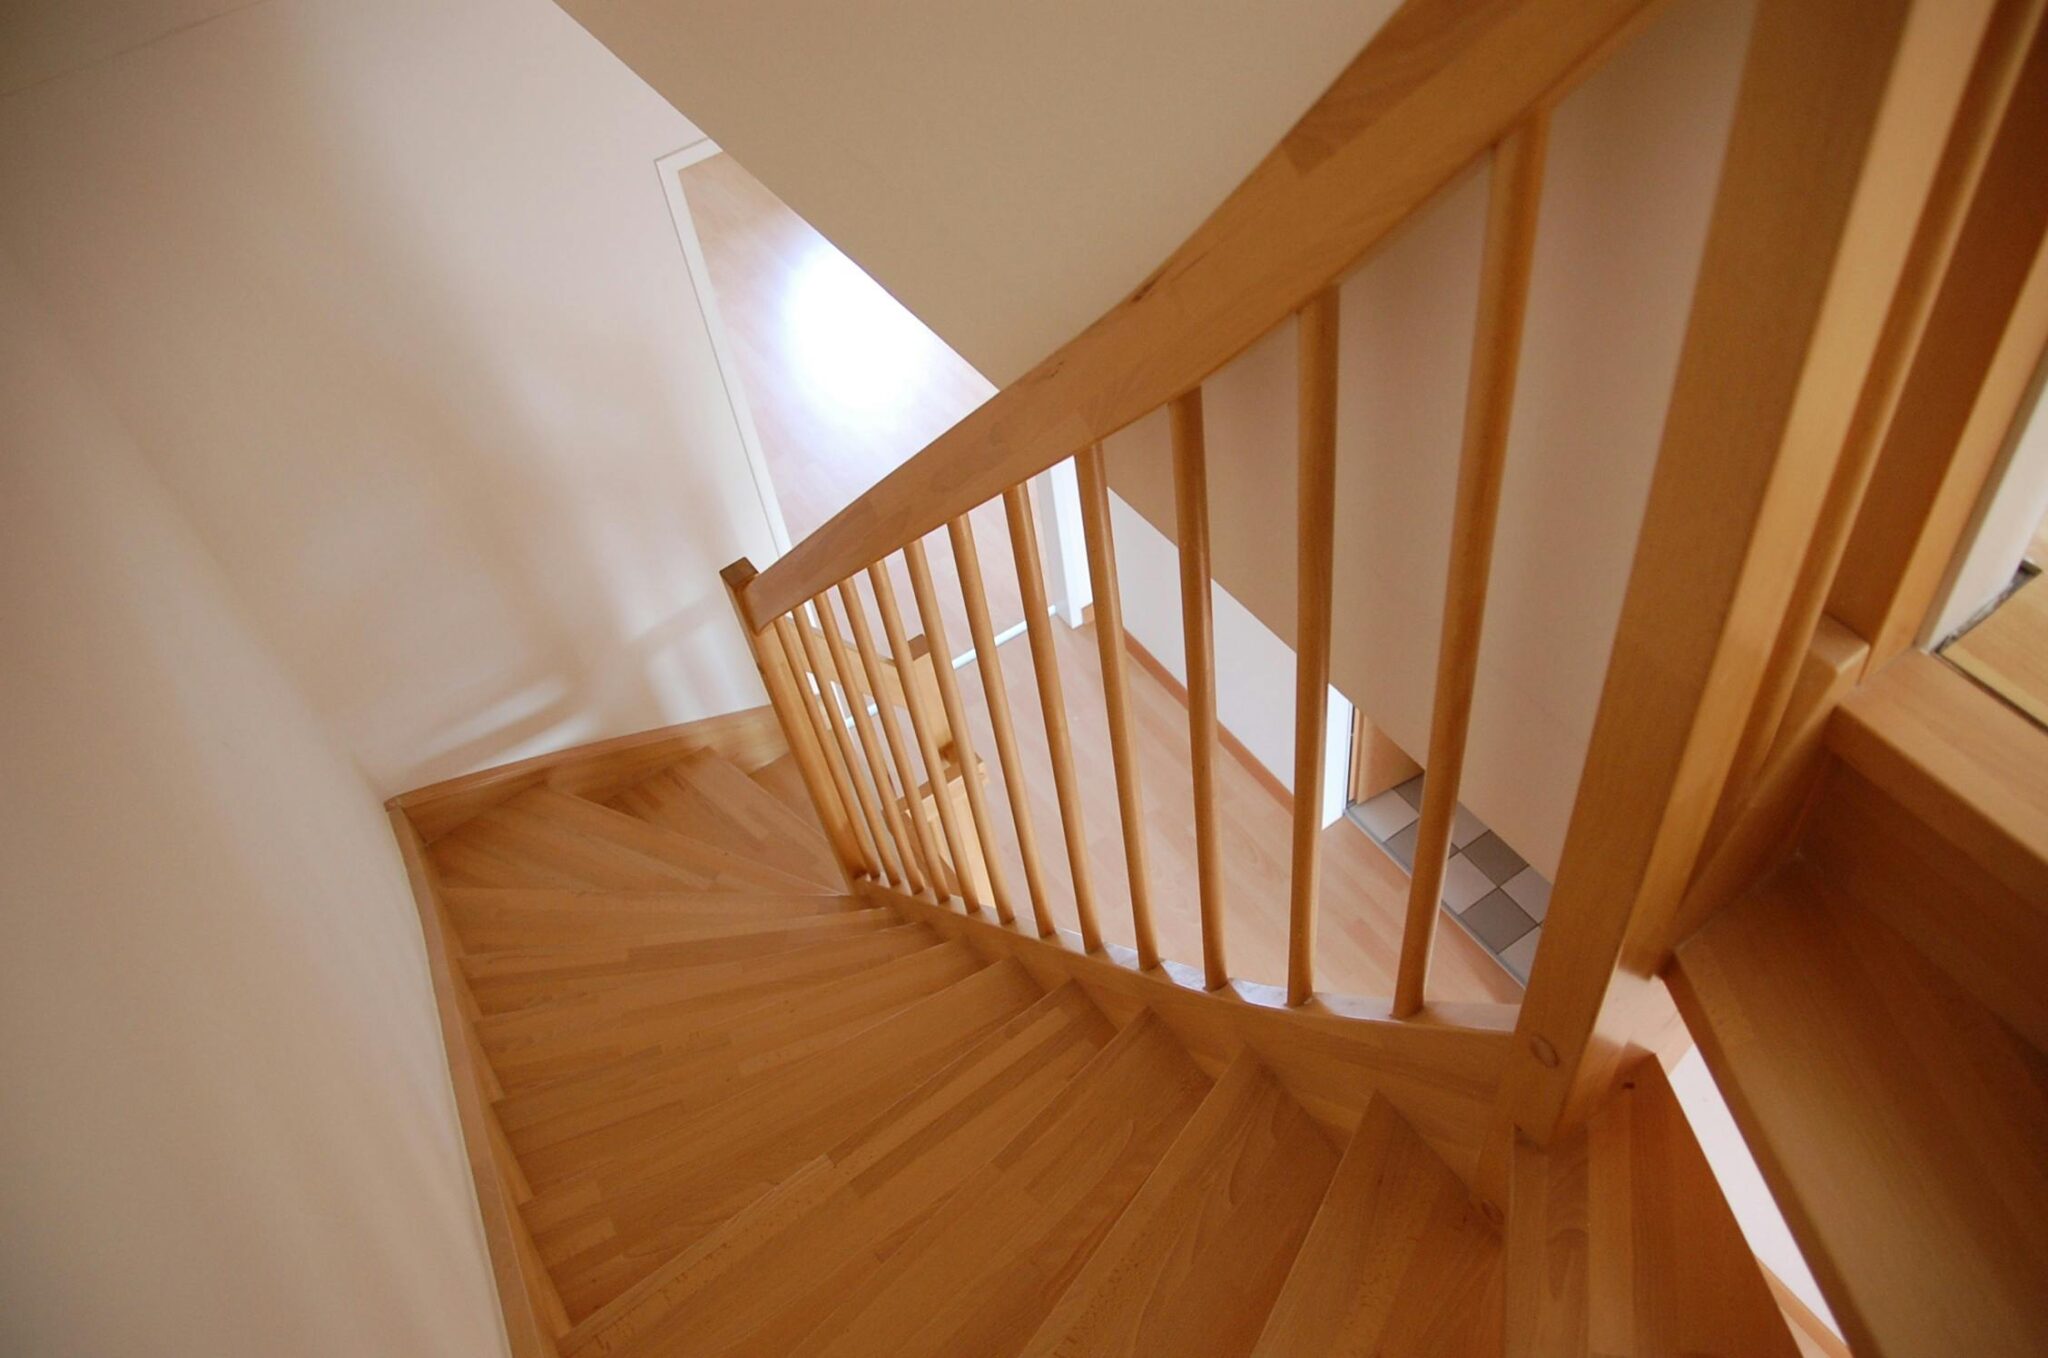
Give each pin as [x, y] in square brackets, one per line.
[1439, 1070]
[597, 771]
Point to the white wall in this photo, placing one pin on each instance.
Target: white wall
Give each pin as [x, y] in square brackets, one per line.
[1634, 157]
[1008, 171]
[229, 1125]
[388, 293]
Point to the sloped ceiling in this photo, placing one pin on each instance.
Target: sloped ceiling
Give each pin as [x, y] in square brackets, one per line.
[1008, 170]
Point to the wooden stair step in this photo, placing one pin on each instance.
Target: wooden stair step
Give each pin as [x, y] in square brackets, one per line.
[507, 980]
[979, 1276]
[724, 864]
[1884, 1105]
[1630, 1200]
[602, 1230]
[708, 798]
[766, 1276]
[490, 919]
[1195, 1262]
[1398, 1260]
[618, 1020]
[781, 779]
[680, 1076]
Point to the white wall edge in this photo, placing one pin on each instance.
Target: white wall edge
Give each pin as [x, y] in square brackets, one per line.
[666, 168]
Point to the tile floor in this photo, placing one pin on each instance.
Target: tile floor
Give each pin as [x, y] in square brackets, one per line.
[1498, 899]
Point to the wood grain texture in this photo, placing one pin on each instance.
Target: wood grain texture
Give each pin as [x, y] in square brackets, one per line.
[925, 723]
[958, 1286]
[1440, 1069]
[1842, 115]
[1439, 83]
[1513, 204]
[1316, 555]
[819, 663]
[1196, 1260]
[767, 1276]
[967, 559]
[1398, 1260]
[1052, 706]
[1198, 632]
[931, 871]
[817, 721]
[903, 860]
[706, 797]
[1883, 1105]
[1116, 701]
[2008, 651]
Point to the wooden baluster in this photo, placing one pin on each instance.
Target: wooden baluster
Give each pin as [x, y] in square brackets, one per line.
[933, 875]
[1314, 582]
[963, 746]
[870, 814]
[1109, 641]
[1191, 515]
[870, 744]
[788, 630]
[921, 727]
[1052, 702]
[1489, 401]
[967, 560]
[797, 731]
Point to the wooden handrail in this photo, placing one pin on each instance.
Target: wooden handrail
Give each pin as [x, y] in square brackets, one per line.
[1489, 400]
[1440, 83]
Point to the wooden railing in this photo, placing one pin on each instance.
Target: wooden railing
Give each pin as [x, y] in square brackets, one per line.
[1807, 245]
[1442, 85]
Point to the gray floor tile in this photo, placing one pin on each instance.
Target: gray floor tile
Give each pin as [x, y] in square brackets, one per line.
[1497, 921]
[1520, 955]
[1493, 857]
[1384, 816]
[1411, 791]
[1463, 883]
[1531, 890]
[1402, 846]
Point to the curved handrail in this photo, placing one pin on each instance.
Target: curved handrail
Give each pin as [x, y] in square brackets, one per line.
[1440, 83]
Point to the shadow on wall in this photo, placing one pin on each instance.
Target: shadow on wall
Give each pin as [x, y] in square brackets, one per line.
[389, 296]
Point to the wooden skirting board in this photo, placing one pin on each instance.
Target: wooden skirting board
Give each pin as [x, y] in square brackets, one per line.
[1439, 1069]
[748, 738]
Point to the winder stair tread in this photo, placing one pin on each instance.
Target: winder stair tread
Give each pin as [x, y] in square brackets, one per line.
[981, 1273]
[601, 1229]
[1398, 1260]
[767, 1275]
[707, 797]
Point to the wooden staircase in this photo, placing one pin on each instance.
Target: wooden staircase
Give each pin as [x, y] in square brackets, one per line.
[758, 1049]
[738, 1107]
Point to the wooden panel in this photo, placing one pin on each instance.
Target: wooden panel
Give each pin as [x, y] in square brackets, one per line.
[1316, 532]
[802, 671]
[1377, 763]
[524, 1296]
[750, 739]
[1512, 208]
[1197, 1259]
[1839, 125]
[1191, 513]
[1971, 380]
[958, 1286]
[967, 560]
[1440, 1069]
[1399, 1259]
[1052, 705]
[1441, 81]
[1898, 1123]
[1109, 638]
[1983, 108]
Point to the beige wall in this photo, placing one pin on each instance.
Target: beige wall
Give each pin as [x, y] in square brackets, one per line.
[1633, 161]
[1008, 171]
[388, 293]
[229, 1128]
